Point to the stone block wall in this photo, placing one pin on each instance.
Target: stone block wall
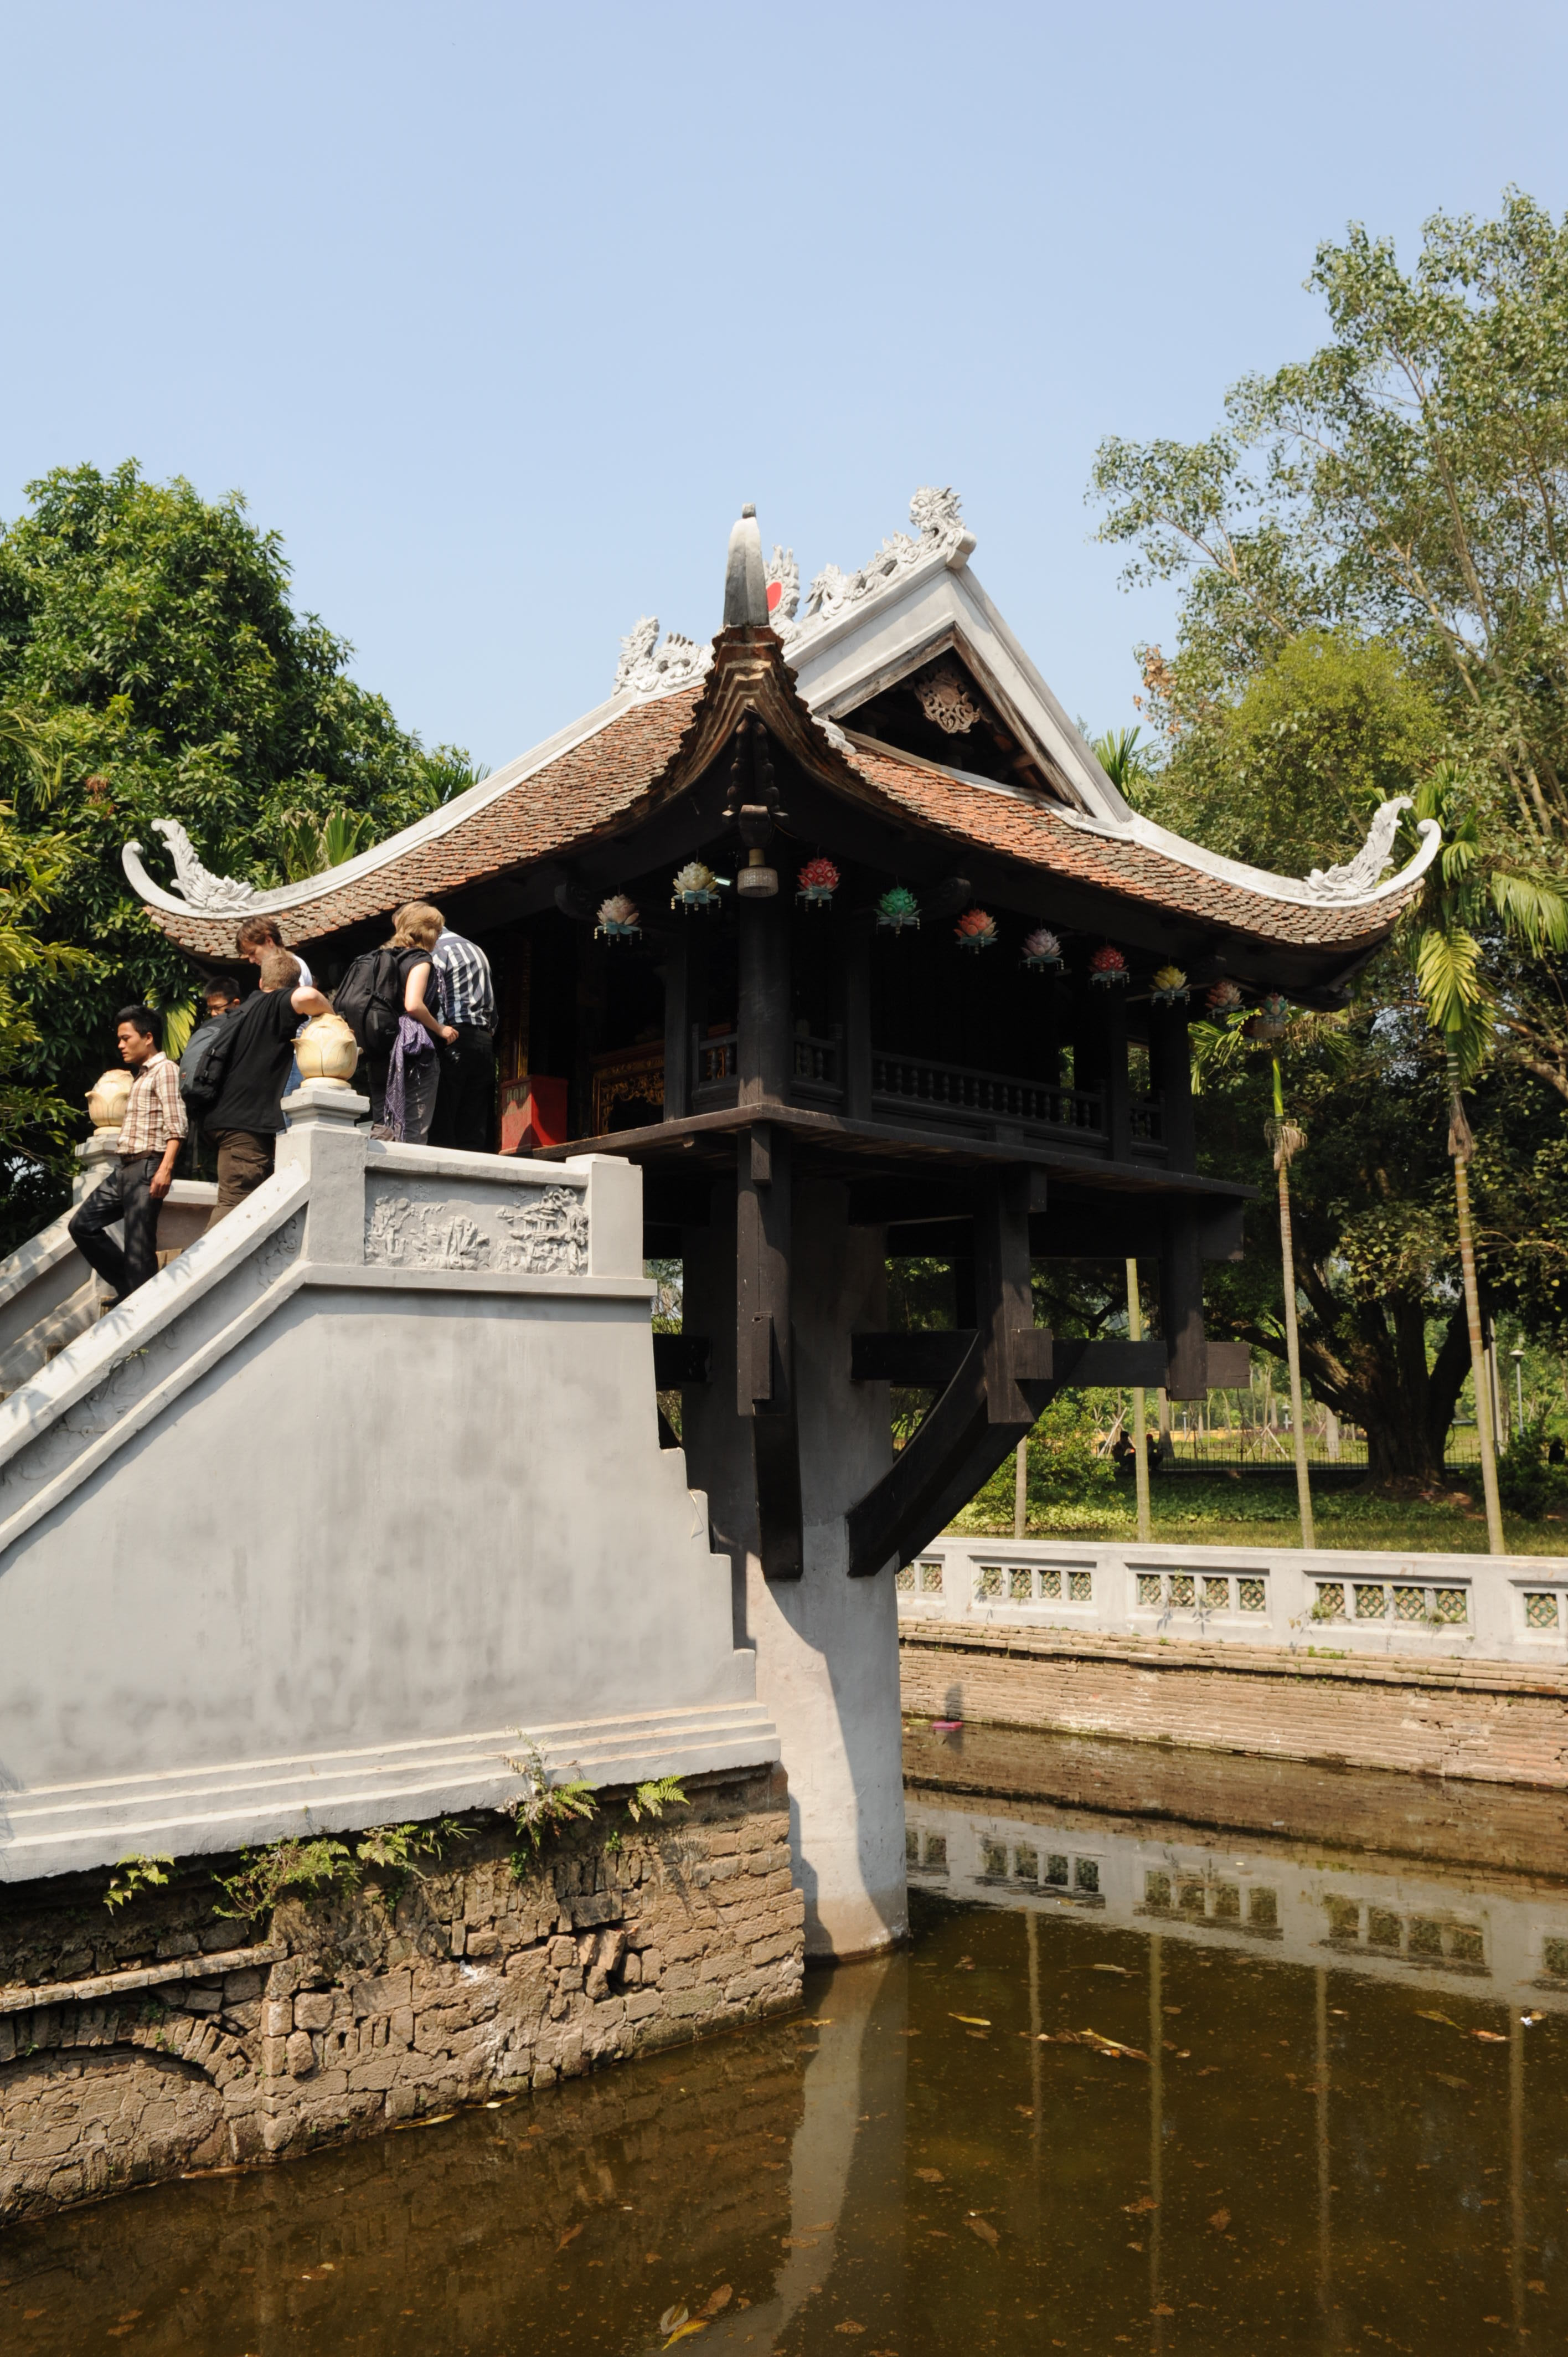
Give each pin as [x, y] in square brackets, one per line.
[162, 2038]
[1496, 1722]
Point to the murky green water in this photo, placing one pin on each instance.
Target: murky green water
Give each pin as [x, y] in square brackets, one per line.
[1332, 2128]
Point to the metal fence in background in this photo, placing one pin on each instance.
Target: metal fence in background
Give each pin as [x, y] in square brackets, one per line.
[1251, 1447]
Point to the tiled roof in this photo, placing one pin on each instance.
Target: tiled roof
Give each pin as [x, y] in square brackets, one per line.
[652, 749]
[1041, 837]
[584, 791]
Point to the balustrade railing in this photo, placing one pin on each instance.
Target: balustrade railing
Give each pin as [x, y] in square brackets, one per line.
[955, 1089]
[1348, 1602]
[714, 1059]
[816, 1063]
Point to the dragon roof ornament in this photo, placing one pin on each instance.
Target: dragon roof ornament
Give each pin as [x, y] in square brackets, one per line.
[935, 517]
[197, 886]
[1355, 878]
[645, 668]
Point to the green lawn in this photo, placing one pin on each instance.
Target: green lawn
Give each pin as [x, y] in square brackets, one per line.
[1245, 1510]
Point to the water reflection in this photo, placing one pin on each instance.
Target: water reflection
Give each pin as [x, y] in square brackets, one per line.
[1137, 2083]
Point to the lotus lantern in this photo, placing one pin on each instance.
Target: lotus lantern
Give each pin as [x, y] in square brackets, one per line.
[326, 1049]
[618, 919]
[108, 1098]
[975, 930]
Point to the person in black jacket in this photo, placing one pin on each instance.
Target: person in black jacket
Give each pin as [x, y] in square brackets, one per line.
[247, 1114]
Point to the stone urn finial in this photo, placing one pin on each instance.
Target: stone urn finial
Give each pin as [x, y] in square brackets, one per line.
[325, 1050]
[108, 1098]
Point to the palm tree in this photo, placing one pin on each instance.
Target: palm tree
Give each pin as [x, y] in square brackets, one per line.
[1215, 1044]
[1140, 1419]
[1467, 889]
[1286, 1137]
[1122, 758]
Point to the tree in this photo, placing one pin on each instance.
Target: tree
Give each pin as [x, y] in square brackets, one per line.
[1392, 511]
[151, 665]
[31, 870]
[1464, 889]
[1286, 770]
[1407, 484]
[1382, 1326]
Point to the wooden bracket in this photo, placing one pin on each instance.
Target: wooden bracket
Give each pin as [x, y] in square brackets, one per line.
[928, 1360]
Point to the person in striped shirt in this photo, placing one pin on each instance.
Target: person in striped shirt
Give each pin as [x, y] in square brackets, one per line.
[465, 1103]
[150, 1138]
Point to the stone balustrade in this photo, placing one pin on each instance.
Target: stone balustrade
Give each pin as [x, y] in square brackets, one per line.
[1341, 1603]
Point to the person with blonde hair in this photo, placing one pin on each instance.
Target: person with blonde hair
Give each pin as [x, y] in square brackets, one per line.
[404, 1085]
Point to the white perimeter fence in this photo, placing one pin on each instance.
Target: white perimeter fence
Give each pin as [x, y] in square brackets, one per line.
[1337, 1601]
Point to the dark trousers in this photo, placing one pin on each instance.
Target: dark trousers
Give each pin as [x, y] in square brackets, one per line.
[244, 1158]
[465, 1105]
[122, 1195]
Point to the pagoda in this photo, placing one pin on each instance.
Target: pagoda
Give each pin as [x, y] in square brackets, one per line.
[838, 928]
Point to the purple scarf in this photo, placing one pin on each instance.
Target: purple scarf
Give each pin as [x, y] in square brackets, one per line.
[413, 1039]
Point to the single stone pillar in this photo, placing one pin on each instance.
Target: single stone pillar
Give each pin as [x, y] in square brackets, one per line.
[323, 1138]
[827, 1646]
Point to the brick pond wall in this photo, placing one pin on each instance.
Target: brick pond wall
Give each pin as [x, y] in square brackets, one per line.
[1501, 1722]
[162, 2038]
[1450, 1827]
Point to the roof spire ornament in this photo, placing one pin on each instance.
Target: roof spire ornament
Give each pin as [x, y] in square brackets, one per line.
[746, 577]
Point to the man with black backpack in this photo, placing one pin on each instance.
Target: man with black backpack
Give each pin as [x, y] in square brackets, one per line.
[239, 1091]
[221, 1000]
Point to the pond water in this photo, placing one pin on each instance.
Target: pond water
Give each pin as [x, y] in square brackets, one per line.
[1184, 2056]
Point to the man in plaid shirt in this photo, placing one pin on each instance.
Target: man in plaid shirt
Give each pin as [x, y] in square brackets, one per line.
[150, 1138]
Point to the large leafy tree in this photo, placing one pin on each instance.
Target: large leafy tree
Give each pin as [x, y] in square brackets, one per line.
[1406, 485]
[151, 666]
[1373, 552]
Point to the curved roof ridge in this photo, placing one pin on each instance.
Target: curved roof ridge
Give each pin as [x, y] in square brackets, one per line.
[419, 833]
[1307, 892]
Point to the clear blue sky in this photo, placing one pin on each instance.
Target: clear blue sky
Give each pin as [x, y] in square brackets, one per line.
[499, 312]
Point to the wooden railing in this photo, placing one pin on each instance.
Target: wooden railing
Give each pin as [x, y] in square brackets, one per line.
[956, 1090]
[627, 1075]
[713, 1057]
[816, 1065]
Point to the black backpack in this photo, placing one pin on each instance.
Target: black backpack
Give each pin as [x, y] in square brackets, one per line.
[204, 1067]
[369, 1000]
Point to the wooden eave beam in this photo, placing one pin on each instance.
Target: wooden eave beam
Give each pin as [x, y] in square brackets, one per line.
[867, 1140]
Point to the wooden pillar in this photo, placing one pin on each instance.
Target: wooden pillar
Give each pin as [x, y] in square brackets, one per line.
[763, 1047]
[1100, 1060]
[1181, 1304]
[1003, 1298]
[1118, 1095]
[765, 1369]
[677, 1036]
[854, 942]
[589, 1030]
[1170, 1076]
[685, 1011]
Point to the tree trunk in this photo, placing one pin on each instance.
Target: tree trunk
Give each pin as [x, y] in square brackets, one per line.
[1374, 1372]
[1495, 1539]
[1293, 1354]
[1140, 1425]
